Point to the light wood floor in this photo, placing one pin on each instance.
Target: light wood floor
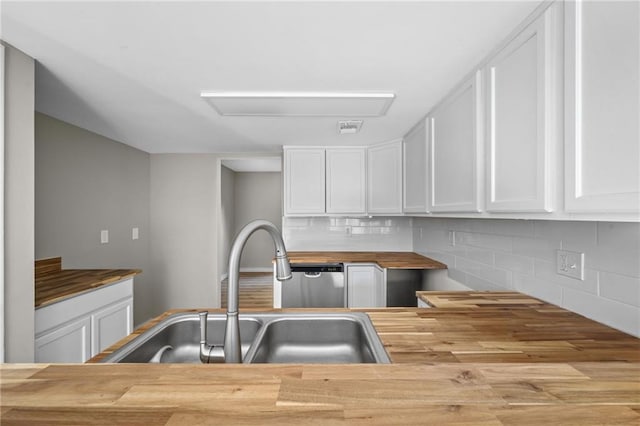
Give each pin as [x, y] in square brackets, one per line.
[256, 290]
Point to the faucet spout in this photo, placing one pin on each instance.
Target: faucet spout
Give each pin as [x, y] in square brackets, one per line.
[232, 352]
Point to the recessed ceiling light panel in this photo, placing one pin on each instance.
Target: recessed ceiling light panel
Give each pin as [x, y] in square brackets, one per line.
[299, 104]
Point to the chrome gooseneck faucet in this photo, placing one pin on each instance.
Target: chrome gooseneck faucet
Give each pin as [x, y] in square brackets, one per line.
[231, 352]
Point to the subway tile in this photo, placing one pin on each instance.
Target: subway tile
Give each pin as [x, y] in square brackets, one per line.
[614, 314]
[493, 242]
[457, 275]
[542, 289]
[499, 277]
[567, 231]
[607, 258]
[480, 284]
[510, 227]
[544, 270]
[537, 248]
[515, 263]
[619, 287]
[479, 255]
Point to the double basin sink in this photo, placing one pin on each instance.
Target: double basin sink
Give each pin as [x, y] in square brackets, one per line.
[336, 338]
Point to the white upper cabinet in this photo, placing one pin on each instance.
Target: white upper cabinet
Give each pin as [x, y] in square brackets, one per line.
[304, 181]
[384, 178]
[602, 140]
[346, 180]
[415, 169]
[521, 124]
[455, 143]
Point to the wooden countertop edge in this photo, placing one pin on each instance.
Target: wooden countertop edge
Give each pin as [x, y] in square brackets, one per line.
[389, 260]
[91, 284]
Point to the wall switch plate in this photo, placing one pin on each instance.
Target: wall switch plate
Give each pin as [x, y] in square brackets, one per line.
[452, 238]
[135, 233]
[104, 236]
[570, 264]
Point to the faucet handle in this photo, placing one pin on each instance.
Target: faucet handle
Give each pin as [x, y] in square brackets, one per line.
[203, 326]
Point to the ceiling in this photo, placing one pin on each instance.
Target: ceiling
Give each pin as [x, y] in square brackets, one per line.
[134, 71]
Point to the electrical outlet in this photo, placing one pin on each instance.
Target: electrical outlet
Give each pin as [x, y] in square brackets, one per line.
[104, 236]
[570, 264]
[135, 233]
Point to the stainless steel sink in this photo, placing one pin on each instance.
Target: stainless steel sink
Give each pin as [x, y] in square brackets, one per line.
[177, 339]
[318, 338]
[265, 338]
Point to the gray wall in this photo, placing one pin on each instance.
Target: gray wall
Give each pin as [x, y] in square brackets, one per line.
[258, 195]
[183, 222]
[19, 206]
[227, 214]
[86, 183]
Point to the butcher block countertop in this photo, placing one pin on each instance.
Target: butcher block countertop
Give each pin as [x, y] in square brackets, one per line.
[475, 299]
[385, 259]
[54, 284]
[483, 364]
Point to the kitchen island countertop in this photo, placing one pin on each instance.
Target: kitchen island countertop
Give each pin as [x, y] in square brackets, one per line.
[488, 364]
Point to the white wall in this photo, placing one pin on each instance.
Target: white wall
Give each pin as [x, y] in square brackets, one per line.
[521, 255]
[227, 217]
[348, 234]
[258, 195]
[19, 206]
[183, 223]
[86, 183]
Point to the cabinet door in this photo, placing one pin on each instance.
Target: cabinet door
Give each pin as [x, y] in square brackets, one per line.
[384, 178]
[521, 119]
[304, 181]
[346, 180]
[70, 342]
[455, 142]
[110, 325]
[602, 140]
[415, 169]
[366, 287]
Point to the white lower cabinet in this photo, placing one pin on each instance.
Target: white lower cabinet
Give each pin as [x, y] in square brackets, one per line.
[78, 328]
[66, 343]
[366, 286]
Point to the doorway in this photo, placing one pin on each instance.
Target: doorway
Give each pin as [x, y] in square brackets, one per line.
[250, 188]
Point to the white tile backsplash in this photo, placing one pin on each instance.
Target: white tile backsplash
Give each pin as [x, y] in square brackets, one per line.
[502, 255]
[348, 234]
[619, 287]
[521, 255]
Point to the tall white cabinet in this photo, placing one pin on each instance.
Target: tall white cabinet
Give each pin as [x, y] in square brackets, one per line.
[602, 90]
[384, 178]
[521, 124]
[455, 142]
[415, 161]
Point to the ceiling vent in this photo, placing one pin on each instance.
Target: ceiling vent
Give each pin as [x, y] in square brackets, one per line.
[346, 127]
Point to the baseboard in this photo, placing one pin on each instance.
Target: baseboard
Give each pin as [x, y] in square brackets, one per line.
[258, 269]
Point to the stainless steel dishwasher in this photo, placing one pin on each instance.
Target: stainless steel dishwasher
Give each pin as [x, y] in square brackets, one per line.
[315, 286]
